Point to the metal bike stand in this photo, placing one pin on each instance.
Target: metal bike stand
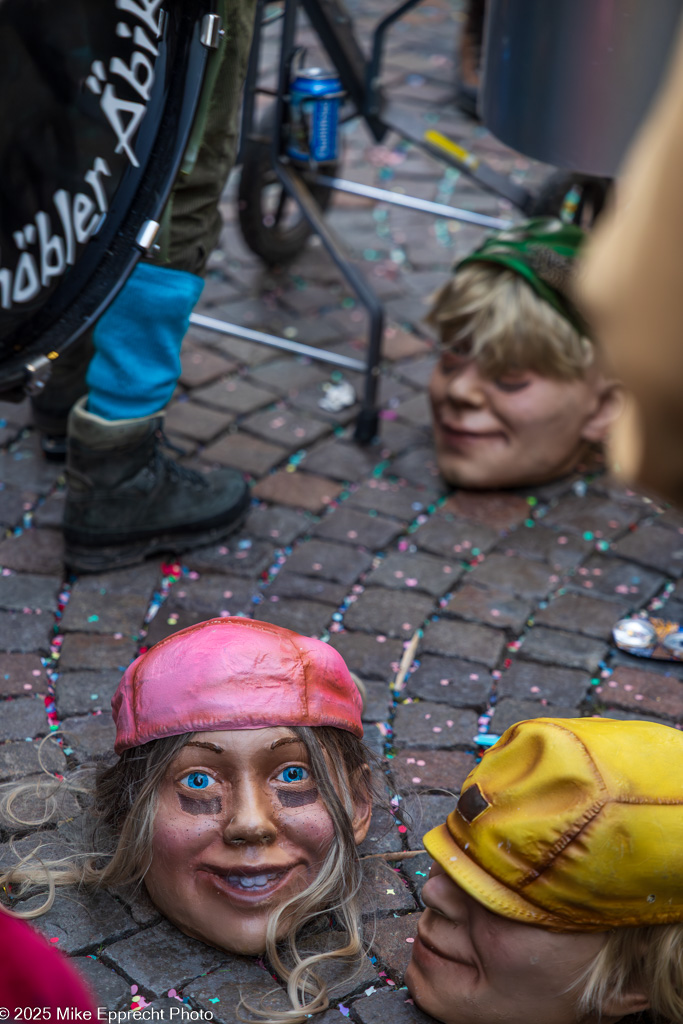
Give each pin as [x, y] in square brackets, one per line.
[360, 81]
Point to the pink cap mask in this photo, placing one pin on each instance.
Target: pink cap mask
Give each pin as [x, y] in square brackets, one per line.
[233, 673]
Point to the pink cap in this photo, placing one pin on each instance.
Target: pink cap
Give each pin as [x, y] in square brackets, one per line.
[233, 673]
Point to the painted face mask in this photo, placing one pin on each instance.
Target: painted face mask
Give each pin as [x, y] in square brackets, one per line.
[250, 809]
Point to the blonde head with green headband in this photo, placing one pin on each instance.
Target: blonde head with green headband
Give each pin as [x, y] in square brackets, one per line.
[509, 302]
[518, 396]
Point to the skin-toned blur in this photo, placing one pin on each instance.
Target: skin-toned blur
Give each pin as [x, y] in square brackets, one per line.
[240, 828]
[518, 429]
[471, 966]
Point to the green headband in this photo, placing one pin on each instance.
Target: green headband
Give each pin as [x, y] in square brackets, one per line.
[542, 251]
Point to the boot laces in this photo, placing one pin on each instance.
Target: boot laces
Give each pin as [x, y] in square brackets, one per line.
[181, 474]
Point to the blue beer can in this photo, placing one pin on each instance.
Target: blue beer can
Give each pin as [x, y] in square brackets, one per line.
[315, 95]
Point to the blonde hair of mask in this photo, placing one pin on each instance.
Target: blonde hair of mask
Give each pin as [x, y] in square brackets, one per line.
[492, 315]
[649, 960]
[122, 807]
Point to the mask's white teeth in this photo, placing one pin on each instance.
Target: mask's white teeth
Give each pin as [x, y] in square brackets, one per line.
[252, 881]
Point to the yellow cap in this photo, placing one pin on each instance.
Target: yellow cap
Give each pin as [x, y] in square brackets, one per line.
[572, 824]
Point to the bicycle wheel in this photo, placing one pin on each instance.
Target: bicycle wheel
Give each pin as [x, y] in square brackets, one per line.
[271, 222]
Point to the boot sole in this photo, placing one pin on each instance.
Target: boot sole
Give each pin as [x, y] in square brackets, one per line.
[81, 558]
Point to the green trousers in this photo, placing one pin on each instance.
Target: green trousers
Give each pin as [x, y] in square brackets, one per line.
[191, 222]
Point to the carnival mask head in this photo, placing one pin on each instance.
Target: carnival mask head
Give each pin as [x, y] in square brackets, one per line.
[258, 778]
[517, 395]
[556, 895]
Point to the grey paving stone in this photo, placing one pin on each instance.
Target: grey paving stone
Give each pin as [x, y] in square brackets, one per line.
[452, 538]
[288, 376]
[616, 578]
[244, 452]
[88, 612]
[18, 760]
[555, 647]
[367, 656]
[287, 428]
[189, 419]
[349, 526]
[395, 498]
[383, 888]
[160, 958]
[232, 557]
[235, 395]
[383, 835]
[527, 680]
[25, 633]
[582, 614]
[89, 737]
[562, 551]
[650, 545]
[27, 590]
[309, 618]
[388, 612]
[464, 640]
[326, 560]
[290, 584]
[450, 681]
[112, 992]
[343, 461]
[593, 514]
[82, 922]
[21, 674]
[419, 572]
[393, 1005]
[37, 551]
[391, 945]
[515, 576]
[489, 606]
[415, 770]
[279, 525]
[78, 692]
[23, 717]
[418, 467]
[510, 711]
[89, 651]
[234, 999]
[433, 726]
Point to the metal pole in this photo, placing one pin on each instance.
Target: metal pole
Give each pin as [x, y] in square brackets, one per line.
[411, 202]
[275, 341]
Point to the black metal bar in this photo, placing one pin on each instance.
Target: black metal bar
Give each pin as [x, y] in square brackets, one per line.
[372, 76]
[367, 422]
[251, 82]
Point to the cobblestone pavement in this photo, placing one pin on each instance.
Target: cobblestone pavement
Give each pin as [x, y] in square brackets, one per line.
[516, 592]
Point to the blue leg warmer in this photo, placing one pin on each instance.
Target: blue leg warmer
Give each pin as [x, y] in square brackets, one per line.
[137, 343]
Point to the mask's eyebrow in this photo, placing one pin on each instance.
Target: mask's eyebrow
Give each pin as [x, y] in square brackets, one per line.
[283, 740]
[205, 745]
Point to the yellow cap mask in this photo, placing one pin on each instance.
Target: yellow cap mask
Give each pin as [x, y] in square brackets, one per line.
[572, 824]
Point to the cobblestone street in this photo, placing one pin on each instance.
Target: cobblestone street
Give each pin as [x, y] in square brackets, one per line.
[516, 593]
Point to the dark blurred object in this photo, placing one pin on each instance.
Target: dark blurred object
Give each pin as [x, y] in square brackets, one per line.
[569, 82]
[52, 405]
[98, 104]
[468, 72]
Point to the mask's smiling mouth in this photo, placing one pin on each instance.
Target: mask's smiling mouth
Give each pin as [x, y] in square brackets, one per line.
[250, 884]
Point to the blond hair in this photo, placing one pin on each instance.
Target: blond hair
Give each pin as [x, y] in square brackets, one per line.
[494, 316]
[647, 959]
[123, 803]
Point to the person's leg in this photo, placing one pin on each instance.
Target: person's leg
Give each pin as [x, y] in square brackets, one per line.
[114, 461]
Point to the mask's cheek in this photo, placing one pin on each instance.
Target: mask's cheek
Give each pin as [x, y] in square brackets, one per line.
[309, 829]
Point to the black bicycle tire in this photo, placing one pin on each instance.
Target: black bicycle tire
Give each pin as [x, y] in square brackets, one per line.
[271, 244]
